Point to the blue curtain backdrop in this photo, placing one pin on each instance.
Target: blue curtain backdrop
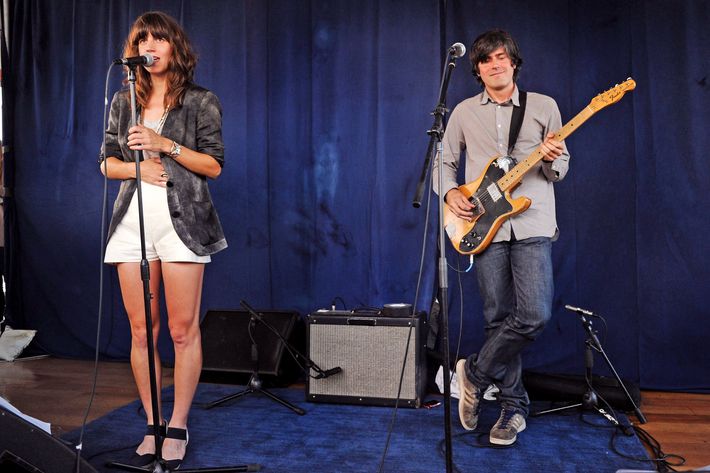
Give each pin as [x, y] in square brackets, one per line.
[326, 105]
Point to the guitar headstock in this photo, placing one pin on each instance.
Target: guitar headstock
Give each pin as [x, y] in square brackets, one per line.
[612, 95]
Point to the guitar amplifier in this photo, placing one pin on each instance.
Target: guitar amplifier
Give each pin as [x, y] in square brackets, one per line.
[370, 350]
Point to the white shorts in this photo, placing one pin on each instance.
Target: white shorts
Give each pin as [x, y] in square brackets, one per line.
[161, 241]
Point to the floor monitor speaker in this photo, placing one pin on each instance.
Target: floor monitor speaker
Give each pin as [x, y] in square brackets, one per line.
[27, 448]
[571, 388]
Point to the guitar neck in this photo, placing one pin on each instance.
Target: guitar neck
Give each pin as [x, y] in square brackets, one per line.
[513, 177]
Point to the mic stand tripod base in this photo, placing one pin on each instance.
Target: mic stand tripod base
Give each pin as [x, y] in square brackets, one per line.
[253, 386]
[158, 467]
[589, 403]
[127, 467]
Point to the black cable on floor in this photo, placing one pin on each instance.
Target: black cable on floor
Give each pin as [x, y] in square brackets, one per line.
[104, 207]
[664, 462]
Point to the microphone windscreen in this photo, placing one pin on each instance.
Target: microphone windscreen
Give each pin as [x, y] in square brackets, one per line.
[457, 50]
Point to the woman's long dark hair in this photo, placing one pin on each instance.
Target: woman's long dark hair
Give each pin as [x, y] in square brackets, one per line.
[182, 63]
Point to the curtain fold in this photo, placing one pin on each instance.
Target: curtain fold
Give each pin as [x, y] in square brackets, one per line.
[326, 107]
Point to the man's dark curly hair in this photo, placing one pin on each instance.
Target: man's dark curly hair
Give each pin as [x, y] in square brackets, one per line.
[488, 42]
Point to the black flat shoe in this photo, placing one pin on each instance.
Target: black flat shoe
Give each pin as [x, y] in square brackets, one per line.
[177, 434]
[141, 461]
[147, 459]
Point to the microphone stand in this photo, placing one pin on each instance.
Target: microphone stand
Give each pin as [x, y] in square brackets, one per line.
[590, 397]
[159, 465]
[436, 134]
[255, 384]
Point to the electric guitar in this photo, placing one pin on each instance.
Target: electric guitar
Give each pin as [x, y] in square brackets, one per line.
[490, 193]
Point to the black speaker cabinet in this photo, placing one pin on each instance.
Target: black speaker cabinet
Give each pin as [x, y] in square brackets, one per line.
[226, 346]
[561, 387]
[370, 350]
[26, 448]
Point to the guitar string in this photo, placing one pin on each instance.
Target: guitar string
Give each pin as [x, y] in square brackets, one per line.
[486, 193]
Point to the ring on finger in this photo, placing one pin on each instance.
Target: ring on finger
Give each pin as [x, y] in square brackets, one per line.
[165, 174]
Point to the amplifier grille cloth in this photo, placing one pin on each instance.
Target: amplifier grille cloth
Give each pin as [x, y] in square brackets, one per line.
[371, 358]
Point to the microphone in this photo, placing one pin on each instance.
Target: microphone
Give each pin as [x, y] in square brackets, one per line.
[457, 50]
[329, 372]
[579, 310]
[146, 60]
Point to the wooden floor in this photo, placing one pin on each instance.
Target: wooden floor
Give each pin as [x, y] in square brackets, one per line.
[57, 391]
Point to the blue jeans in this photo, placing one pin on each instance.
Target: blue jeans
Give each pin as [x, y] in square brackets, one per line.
[516, 285]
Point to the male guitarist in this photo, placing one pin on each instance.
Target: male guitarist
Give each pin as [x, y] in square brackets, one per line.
[515, 271]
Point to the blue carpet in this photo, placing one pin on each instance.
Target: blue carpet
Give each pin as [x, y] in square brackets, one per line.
[341, 438]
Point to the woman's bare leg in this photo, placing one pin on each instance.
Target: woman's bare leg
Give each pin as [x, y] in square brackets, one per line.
[133, 300]
[183, 292]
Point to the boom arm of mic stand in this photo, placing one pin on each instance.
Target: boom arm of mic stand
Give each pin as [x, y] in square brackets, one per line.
[436, 132]
[419, 193]
[309, 364]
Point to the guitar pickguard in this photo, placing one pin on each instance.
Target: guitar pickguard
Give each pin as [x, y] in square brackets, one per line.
[490, 204]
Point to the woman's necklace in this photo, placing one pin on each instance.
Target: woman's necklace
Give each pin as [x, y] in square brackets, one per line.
[159, 127]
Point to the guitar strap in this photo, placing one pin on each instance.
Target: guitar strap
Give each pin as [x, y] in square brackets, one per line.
[516, 121]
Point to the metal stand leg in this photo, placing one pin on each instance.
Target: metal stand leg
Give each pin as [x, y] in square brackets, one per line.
[255, 384]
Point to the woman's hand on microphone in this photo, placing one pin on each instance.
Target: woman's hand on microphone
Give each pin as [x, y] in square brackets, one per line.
[145, 139]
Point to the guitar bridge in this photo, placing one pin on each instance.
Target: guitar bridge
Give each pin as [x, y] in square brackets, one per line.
[478, 208]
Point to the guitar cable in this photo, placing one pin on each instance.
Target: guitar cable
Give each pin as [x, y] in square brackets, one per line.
[458, 266]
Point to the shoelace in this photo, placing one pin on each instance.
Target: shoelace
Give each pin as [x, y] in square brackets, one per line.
[506, 418]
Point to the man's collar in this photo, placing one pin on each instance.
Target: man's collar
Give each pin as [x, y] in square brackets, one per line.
[515, 98]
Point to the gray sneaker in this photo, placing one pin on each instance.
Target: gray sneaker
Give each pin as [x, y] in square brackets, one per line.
[469, 398]
[505, 431]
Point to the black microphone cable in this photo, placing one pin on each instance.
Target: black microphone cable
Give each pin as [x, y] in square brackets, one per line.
[104, 213]
[664, 462]
[413, 318]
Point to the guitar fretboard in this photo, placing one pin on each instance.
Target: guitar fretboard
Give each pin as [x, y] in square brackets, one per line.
[512, 178]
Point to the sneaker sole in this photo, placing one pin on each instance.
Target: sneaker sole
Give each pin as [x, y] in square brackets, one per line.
[461, 375]
[496, 441]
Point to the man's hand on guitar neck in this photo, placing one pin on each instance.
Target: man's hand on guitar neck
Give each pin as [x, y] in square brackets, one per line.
[459, 204]
[551, 148]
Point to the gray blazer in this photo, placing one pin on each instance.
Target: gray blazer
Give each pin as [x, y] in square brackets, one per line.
[197, 125]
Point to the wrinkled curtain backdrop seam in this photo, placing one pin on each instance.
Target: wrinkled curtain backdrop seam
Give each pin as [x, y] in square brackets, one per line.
[326, 104]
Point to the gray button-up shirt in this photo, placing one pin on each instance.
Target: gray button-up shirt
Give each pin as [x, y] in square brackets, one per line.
[480, 127]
